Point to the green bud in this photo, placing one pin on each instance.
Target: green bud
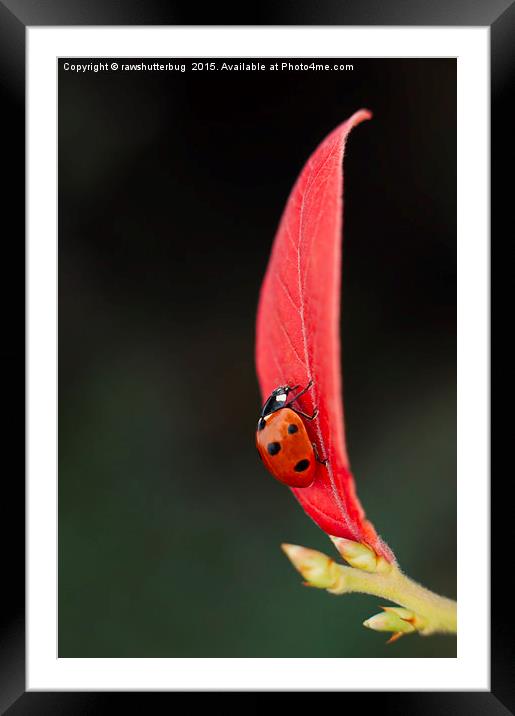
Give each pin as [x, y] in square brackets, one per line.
[318, 569]
[392, 621]
[358, 555]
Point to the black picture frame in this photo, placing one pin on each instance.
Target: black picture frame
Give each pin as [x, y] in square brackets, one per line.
[15, 17]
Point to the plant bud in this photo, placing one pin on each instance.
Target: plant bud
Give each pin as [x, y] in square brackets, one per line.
[392, 621]
[358, 555]
[318, 569]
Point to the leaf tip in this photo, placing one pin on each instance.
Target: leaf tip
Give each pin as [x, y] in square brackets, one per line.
[361, 115]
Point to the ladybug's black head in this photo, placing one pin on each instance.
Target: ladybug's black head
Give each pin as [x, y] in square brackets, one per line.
[276, 401]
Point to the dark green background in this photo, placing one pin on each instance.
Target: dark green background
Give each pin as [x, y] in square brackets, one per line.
[170, 190]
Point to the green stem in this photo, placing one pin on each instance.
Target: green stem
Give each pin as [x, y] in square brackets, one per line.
[420, 609]
[437, 614]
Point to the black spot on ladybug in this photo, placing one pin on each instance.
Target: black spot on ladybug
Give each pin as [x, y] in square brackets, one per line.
[273, 448]
[261, 423]
[301, 466]
[292, 429]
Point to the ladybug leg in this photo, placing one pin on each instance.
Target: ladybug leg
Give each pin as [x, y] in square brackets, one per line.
[317, 456]
[305, 415]
[304, 390]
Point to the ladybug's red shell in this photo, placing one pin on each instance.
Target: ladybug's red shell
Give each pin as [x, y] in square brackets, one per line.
[285, 448]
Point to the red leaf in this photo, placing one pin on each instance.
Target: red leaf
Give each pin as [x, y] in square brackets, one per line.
[298, 339]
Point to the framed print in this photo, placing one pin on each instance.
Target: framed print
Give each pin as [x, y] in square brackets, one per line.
[190, 299]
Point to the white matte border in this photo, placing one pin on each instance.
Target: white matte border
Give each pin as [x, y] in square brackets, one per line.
[470, 670]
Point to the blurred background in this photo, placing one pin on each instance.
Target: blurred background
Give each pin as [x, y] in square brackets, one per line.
[171, 186]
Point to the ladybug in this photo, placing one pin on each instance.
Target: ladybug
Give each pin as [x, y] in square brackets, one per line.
[282, 439]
